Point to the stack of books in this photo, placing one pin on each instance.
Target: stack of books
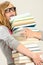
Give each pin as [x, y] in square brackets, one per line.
[20, 58]
[22, 21]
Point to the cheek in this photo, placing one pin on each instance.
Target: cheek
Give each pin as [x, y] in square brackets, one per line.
[14, 13]
[7, 15]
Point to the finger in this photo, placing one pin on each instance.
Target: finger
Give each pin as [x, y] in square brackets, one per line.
[41, 60]
[40, 52]
[38, 63]
[23, 33]
[26, 30]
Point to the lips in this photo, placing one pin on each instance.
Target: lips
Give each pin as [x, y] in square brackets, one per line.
[11, 15]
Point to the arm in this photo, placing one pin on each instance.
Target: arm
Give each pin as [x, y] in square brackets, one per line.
[7, 37]
[38, 35]
[32, 34]
[14, 44]
[34, 56]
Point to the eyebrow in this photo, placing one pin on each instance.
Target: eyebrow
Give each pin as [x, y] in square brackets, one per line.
[9, 7]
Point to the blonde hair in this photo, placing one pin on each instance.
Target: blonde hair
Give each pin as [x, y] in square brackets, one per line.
[5, 5]
[3, 19]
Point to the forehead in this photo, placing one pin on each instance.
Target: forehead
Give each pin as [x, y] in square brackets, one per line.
[10, 5]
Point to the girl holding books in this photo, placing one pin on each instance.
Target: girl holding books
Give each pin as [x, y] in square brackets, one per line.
[8, 42]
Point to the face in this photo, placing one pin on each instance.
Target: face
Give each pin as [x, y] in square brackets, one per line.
[10, 11]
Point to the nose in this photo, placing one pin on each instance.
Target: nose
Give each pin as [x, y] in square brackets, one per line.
[11, 11]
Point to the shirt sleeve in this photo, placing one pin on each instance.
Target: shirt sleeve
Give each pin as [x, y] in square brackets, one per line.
[8, 38]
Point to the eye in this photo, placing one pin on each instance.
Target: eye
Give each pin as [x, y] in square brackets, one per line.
[7, 10]
[13, 8]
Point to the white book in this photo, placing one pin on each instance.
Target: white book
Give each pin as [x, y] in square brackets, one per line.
[22, 61]
[16, 55]
[30, 63]
[31, 45]
[19, 17]
[25, 25]
[30, 41]
[22, 23]
[23, 58]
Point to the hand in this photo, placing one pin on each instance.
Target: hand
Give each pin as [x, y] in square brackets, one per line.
[37, 60]
[27, 33]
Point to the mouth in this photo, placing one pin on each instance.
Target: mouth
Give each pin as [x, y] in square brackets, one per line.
[11, 15]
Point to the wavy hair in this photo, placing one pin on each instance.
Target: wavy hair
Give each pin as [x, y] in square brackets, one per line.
[3, 20]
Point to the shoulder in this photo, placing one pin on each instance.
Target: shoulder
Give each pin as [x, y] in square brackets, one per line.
[4, 32]
[2, 27]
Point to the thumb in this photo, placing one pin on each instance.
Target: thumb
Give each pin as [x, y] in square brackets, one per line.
[41, 56]
[40, 53]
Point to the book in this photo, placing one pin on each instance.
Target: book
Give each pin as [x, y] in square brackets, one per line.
[22, 61]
